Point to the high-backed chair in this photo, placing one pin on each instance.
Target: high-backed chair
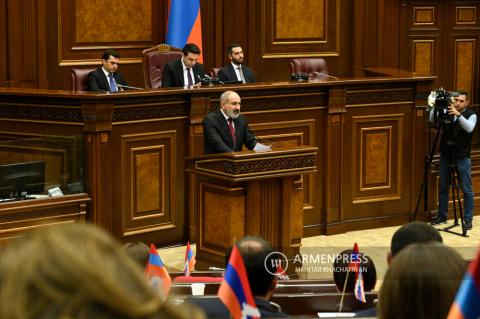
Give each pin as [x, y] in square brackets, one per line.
[78, 79]
[213, 72]
[308, 66]
[154, 59]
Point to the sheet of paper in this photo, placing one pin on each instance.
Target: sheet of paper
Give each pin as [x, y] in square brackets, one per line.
[336, 314]
[259, 147]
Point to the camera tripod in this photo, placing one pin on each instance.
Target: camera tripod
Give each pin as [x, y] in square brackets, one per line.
[443, 125]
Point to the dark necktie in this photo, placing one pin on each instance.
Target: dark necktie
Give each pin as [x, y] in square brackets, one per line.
[189, 78]
[113, 84]
[232, 129]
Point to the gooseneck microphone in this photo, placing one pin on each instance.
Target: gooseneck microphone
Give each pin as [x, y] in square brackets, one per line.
[324, 74]
[121, 86]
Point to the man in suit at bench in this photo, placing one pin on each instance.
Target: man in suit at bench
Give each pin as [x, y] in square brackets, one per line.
[254, 251]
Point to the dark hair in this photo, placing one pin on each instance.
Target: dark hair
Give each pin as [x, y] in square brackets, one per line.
[411, 233]
[463, 92]
[254, 251]
[191, 48]
[340, 270]
[138, 251]
[109, 53]
[231, 46]
[421, 282]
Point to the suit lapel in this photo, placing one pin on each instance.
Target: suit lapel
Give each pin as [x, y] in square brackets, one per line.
[226, 129]
[233, 74]
[104, 80]
[179, 71]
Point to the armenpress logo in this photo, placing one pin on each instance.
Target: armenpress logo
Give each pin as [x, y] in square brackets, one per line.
[276, 259]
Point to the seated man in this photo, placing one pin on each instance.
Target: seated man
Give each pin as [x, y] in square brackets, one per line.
[236, 71]
[412, 233]
[186, 71]
[106, 78]
[255, 252]
[226, 130]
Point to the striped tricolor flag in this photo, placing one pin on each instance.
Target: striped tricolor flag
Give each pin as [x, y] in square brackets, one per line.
[157, 273]
[235, 290]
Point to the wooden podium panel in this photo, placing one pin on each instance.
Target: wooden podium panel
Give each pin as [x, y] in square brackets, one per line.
[250, 193]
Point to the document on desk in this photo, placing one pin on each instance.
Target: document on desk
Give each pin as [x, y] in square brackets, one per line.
[259, 147]
[336, 314]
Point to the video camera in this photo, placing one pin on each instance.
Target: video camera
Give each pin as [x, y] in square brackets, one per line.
[440, 100]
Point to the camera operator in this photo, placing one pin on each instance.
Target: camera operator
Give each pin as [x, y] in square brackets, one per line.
[455, 146]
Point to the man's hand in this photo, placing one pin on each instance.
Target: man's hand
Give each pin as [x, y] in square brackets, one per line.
[453, 111]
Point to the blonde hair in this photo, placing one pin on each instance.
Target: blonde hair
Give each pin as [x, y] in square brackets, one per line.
[74, 271]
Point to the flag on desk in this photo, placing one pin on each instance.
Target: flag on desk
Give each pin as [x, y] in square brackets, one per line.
[189, 261]
[355, 266]
[184, 24]
[281, 274]
[157, 273]
[466, 304]
[235, 290]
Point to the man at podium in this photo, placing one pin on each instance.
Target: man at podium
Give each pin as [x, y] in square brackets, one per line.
[226, 130]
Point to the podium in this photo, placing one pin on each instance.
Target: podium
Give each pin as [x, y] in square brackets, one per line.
[249, 193]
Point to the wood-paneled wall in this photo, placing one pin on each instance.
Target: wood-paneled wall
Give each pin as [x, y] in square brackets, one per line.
[41, 40]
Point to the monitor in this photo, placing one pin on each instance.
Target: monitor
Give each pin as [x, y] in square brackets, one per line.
[22, 179]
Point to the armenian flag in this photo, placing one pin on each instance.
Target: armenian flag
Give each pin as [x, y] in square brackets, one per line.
[235, 290]
[355, 266]
[189, 261]
[184, 24]
[157, 273]
[466, 305]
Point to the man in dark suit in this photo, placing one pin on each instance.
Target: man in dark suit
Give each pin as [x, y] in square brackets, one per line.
[226, 130]
[258, 259]
[186, 71]
[106, 78]
[236, 71]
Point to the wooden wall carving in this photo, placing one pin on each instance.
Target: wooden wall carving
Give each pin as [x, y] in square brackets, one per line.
[148, 161]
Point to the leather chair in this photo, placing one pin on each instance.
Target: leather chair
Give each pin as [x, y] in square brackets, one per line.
[308, 66]
[78, 79]
[154, 60]
[213, 72]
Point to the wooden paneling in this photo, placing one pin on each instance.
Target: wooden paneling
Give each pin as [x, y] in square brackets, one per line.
[289, 13]
[3, 43]
[127, 21]
[149, 164]
[423, 15]
[377, 155]
[464, 64]
[466, 15]
[423, 56]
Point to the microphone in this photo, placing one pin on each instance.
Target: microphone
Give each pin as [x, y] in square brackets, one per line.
[324, 74]
[121, 86]
[216, 268]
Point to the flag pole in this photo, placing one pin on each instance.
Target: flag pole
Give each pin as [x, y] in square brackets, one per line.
[344, 288]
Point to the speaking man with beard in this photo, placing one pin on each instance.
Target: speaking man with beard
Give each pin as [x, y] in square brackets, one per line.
[226, 130]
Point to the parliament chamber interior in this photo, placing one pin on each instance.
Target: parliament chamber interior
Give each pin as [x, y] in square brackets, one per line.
[340, 94]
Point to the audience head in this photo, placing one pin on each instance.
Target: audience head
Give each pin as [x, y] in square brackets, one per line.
[340, 270]
[230, 104]
[411, 233]
[191, 53]
[235, 53]
[74, 271]
[138, 251]
[421, 282]
[110, 60]
[256, 254]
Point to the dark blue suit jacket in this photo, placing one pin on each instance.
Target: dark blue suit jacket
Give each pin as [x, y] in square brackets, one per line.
[98, 82]
[214, 308]
[173, 74]
[217, 134]
[227, 73]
